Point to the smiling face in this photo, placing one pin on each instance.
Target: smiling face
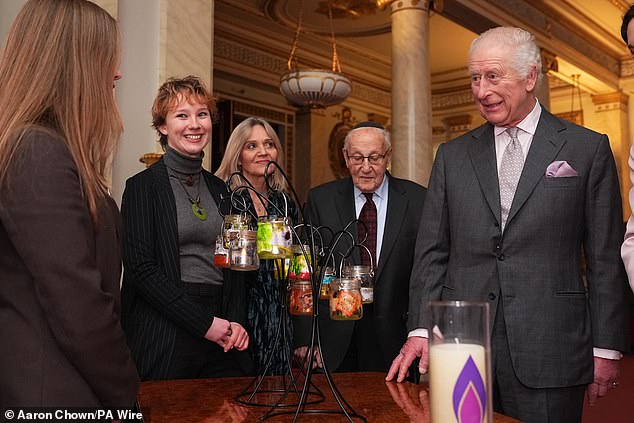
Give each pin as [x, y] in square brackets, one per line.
[257, 151]
[367, 142]
[187, 127]
[503, 97]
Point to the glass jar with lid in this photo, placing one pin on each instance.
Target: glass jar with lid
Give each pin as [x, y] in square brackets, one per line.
[221, 254]
[233, 224]
[345, 299]
[324, 290]
[365, 275]
[243, 254]
[274, 237]
[301, 298]
[300, 263]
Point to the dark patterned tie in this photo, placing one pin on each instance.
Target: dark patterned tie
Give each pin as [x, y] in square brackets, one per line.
[368, 217]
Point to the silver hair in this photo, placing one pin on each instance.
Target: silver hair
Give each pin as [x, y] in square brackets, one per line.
[387, 144]
[526, 53]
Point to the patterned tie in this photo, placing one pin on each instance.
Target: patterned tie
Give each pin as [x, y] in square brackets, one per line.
[510, 172]
[368, 217]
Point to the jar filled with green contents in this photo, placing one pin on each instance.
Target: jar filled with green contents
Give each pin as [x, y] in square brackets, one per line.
[274, 237]
[345, 299]
[300, 268]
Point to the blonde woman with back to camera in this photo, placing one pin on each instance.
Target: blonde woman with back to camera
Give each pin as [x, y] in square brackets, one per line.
[60, 251]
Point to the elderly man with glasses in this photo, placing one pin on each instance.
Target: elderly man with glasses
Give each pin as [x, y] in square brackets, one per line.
[390, 209]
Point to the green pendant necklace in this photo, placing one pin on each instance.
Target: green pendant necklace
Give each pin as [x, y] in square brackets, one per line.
[198, 210]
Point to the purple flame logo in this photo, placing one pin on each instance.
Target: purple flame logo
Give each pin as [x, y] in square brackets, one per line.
[469, 395]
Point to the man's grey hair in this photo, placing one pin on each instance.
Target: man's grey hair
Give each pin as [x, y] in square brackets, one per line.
[525, 52]
[387, 144]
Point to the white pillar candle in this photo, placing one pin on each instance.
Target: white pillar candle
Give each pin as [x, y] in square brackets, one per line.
[457, 383]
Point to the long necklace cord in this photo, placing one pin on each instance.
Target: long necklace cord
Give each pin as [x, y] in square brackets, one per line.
[198, 210]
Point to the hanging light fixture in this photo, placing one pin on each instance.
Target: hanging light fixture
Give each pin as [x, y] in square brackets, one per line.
[315, 88]
[576, 116]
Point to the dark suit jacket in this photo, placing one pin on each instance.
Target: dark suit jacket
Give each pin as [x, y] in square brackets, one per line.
[332, 205]
[535, 266]
[62, 343]
[155, 304]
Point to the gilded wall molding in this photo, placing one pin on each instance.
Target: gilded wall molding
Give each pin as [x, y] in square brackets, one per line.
[452, 100]
[551, 25]
[617, 100]
[627, 67]
[249, 56]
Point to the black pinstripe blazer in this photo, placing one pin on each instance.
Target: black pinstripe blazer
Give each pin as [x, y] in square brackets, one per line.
[154, 302]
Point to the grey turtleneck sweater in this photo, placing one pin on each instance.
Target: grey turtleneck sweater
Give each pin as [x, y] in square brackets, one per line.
[196, 238]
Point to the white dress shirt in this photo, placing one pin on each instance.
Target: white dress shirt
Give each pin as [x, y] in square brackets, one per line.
[380, 201]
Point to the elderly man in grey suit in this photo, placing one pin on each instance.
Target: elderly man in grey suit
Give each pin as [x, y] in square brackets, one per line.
[390, 209]
[512, 210]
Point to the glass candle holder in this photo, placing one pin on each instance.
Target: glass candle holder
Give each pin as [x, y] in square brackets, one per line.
[301, 298]
[244, 255]
[324, 290]
[366, 279]
[345, 299]
[460, 362]
[221, 254]
[300, 264]
[274, 237]
[233, 224]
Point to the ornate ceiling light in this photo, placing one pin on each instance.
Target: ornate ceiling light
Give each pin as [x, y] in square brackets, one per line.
[314, 87]
[347, 8]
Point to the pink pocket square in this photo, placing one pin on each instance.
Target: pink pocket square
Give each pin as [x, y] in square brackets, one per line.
[560, 169]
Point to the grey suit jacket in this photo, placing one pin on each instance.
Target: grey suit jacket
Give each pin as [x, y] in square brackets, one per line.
[61, 337]
[332, 205]
[553, 318]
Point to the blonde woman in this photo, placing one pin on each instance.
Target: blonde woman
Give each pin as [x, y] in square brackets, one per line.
[252, 145]
[60, 262]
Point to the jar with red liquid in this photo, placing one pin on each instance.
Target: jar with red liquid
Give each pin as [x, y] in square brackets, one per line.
[221, 254]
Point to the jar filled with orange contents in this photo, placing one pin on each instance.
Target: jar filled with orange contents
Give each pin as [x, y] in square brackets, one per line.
[301, 298]
[345, 299]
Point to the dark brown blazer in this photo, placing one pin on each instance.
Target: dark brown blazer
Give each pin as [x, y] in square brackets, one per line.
[61, 337]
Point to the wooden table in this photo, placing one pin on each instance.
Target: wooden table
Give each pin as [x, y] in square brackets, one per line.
[213, 400]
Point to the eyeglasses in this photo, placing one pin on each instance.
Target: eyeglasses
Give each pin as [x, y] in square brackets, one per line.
[373, 159]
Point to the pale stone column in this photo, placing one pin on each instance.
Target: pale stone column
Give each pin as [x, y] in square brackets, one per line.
[612, 115]
[8, 11]
[160, 39]
[137, 88]
[411, 91]
[549, 62]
